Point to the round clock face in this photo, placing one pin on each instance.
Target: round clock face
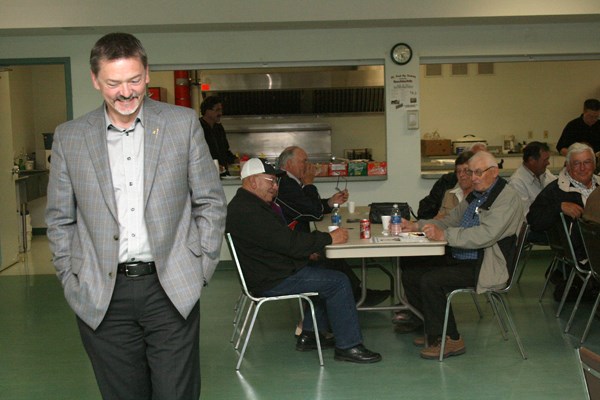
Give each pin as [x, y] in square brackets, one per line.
[401, 53]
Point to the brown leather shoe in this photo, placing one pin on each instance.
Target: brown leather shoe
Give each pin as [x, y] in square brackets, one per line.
[453, 348]
[419, 341]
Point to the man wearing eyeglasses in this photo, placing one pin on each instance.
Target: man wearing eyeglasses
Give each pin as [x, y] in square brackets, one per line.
[301, 203]
[274, 260]
[568, 194]
[481, 234]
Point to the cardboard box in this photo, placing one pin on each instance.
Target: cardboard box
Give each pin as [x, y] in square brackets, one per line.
[436, 147]
[321, 169]
[338, 169]
[377, 168]
[357, 168]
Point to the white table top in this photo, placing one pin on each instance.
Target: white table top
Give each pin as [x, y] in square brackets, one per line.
[360, 248]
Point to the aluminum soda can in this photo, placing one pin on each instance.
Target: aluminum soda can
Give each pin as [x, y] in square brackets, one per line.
[365, 229]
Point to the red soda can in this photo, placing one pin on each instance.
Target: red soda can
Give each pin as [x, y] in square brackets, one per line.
[365, 229]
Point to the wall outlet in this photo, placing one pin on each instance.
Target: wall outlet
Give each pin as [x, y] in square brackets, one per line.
[530, 135]
[545, 134]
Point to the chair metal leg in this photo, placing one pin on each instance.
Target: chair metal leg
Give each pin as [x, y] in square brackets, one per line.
[238, 316]
[250, 309]
[527, 250]
[589, 323]
[445, 329]
[566, 293]
[256, 309]
[511, 323]
[474, 296]
[314, 318]
[499, 319]
[551, 269]
[578, 301]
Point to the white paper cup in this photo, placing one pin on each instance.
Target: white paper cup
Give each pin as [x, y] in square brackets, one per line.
[385, 221]
[351, 207]
[332, 228]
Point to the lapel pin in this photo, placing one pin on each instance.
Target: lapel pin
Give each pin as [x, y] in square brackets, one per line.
[155, 132]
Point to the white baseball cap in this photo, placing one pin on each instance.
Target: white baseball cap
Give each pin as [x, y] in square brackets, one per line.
[256, 166]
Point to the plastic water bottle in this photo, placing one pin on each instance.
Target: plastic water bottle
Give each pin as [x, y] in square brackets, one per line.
[336, 218]
[395, 227]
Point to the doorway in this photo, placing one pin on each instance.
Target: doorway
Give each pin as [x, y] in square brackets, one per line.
[35, 96]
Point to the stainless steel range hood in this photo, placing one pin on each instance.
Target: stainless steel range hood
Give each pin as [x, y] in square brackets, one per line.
[335, 90]
[334, 78]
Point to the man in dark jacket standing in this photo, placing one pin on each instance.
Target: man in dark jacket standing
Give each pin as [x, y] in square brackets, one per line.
[214, 133]
[274, 260]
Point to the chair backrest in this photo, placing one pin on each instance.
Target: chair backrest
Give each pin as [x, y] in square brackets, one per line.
[517, 265]
[590, 362]
[234, 255]
[590, 233]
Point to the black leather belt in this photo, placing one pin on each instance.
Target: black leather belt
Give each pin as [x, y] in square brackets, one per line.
[133, 269]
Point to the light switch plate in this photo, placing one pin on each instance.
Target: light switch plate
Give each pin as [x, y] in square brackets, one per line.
[412, 119]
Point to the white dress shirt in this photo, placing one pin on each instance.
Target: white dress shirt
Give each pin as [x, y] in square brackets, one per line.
[528, 185]
[126, 157]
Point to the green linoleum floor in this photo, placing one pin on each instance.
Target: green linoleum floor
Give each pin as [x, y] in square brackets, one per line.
[41, 356]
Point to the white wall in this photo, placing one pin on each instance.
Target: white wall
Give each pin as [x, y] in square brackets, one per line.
[216, 49]
[520, 97]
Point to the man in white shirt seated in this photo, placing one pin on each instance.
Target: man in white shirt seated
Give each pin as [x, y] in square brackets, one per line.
[531, 177]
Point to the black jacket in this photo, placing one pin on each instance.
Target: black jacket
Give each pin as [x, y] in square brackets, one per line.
[302, 204]
[545, 211]
[217, 143]
[430, 204]
[268, 250]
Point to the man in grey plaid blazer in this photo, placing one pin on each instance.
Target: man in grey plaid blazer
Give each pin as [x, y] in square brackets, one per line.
[135, 218]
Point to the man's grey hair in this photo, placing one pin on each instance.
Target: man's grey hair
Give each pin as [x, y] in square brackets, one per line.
[577, 148]
[286, 154]
[478, 146]
[490, 160]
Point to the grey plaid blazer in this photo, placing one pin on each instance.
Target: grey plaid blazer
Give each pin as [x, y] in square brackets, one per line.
[184, 203]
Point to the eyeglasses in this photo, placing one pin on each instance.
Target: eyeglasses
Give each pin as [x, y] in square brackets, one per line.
[462, 171]
[274, 181]
[584, 163]
[477, 172]
[337, 185]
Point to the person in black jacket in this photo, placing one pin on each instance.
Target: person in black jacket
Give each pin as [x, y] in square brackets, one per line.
[214, 133]
[274, 260]
[583, 129]
[429, 206]
[301, 203]
[567, 194]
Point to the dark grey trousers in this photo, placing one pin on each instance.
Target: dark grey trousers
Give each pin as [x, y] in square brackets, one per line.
[427, 280]
[144, 349]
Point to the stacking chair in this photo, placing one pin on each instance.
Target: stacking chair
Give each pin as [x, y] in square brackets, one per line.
[590, 233]
[257, 302]
[576, 269]
[559, 249]
[527, 248]
[495, 297]
[590, 363]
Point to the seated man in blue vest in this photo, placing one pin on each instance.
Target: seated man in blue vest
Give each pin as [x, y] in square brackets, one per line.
[274, 260]
[481, 234]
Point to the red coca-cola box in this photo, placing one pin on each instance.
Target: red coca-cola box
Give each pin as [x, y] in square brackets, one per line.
[377, 168]
[338, 169]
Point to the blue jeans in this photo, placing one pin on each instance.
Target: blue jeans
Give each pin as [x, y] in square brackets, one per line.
[335, 301]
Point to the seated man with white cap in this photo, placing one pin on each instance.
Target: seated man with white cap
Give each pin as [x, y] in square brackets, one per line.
[275, 261]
